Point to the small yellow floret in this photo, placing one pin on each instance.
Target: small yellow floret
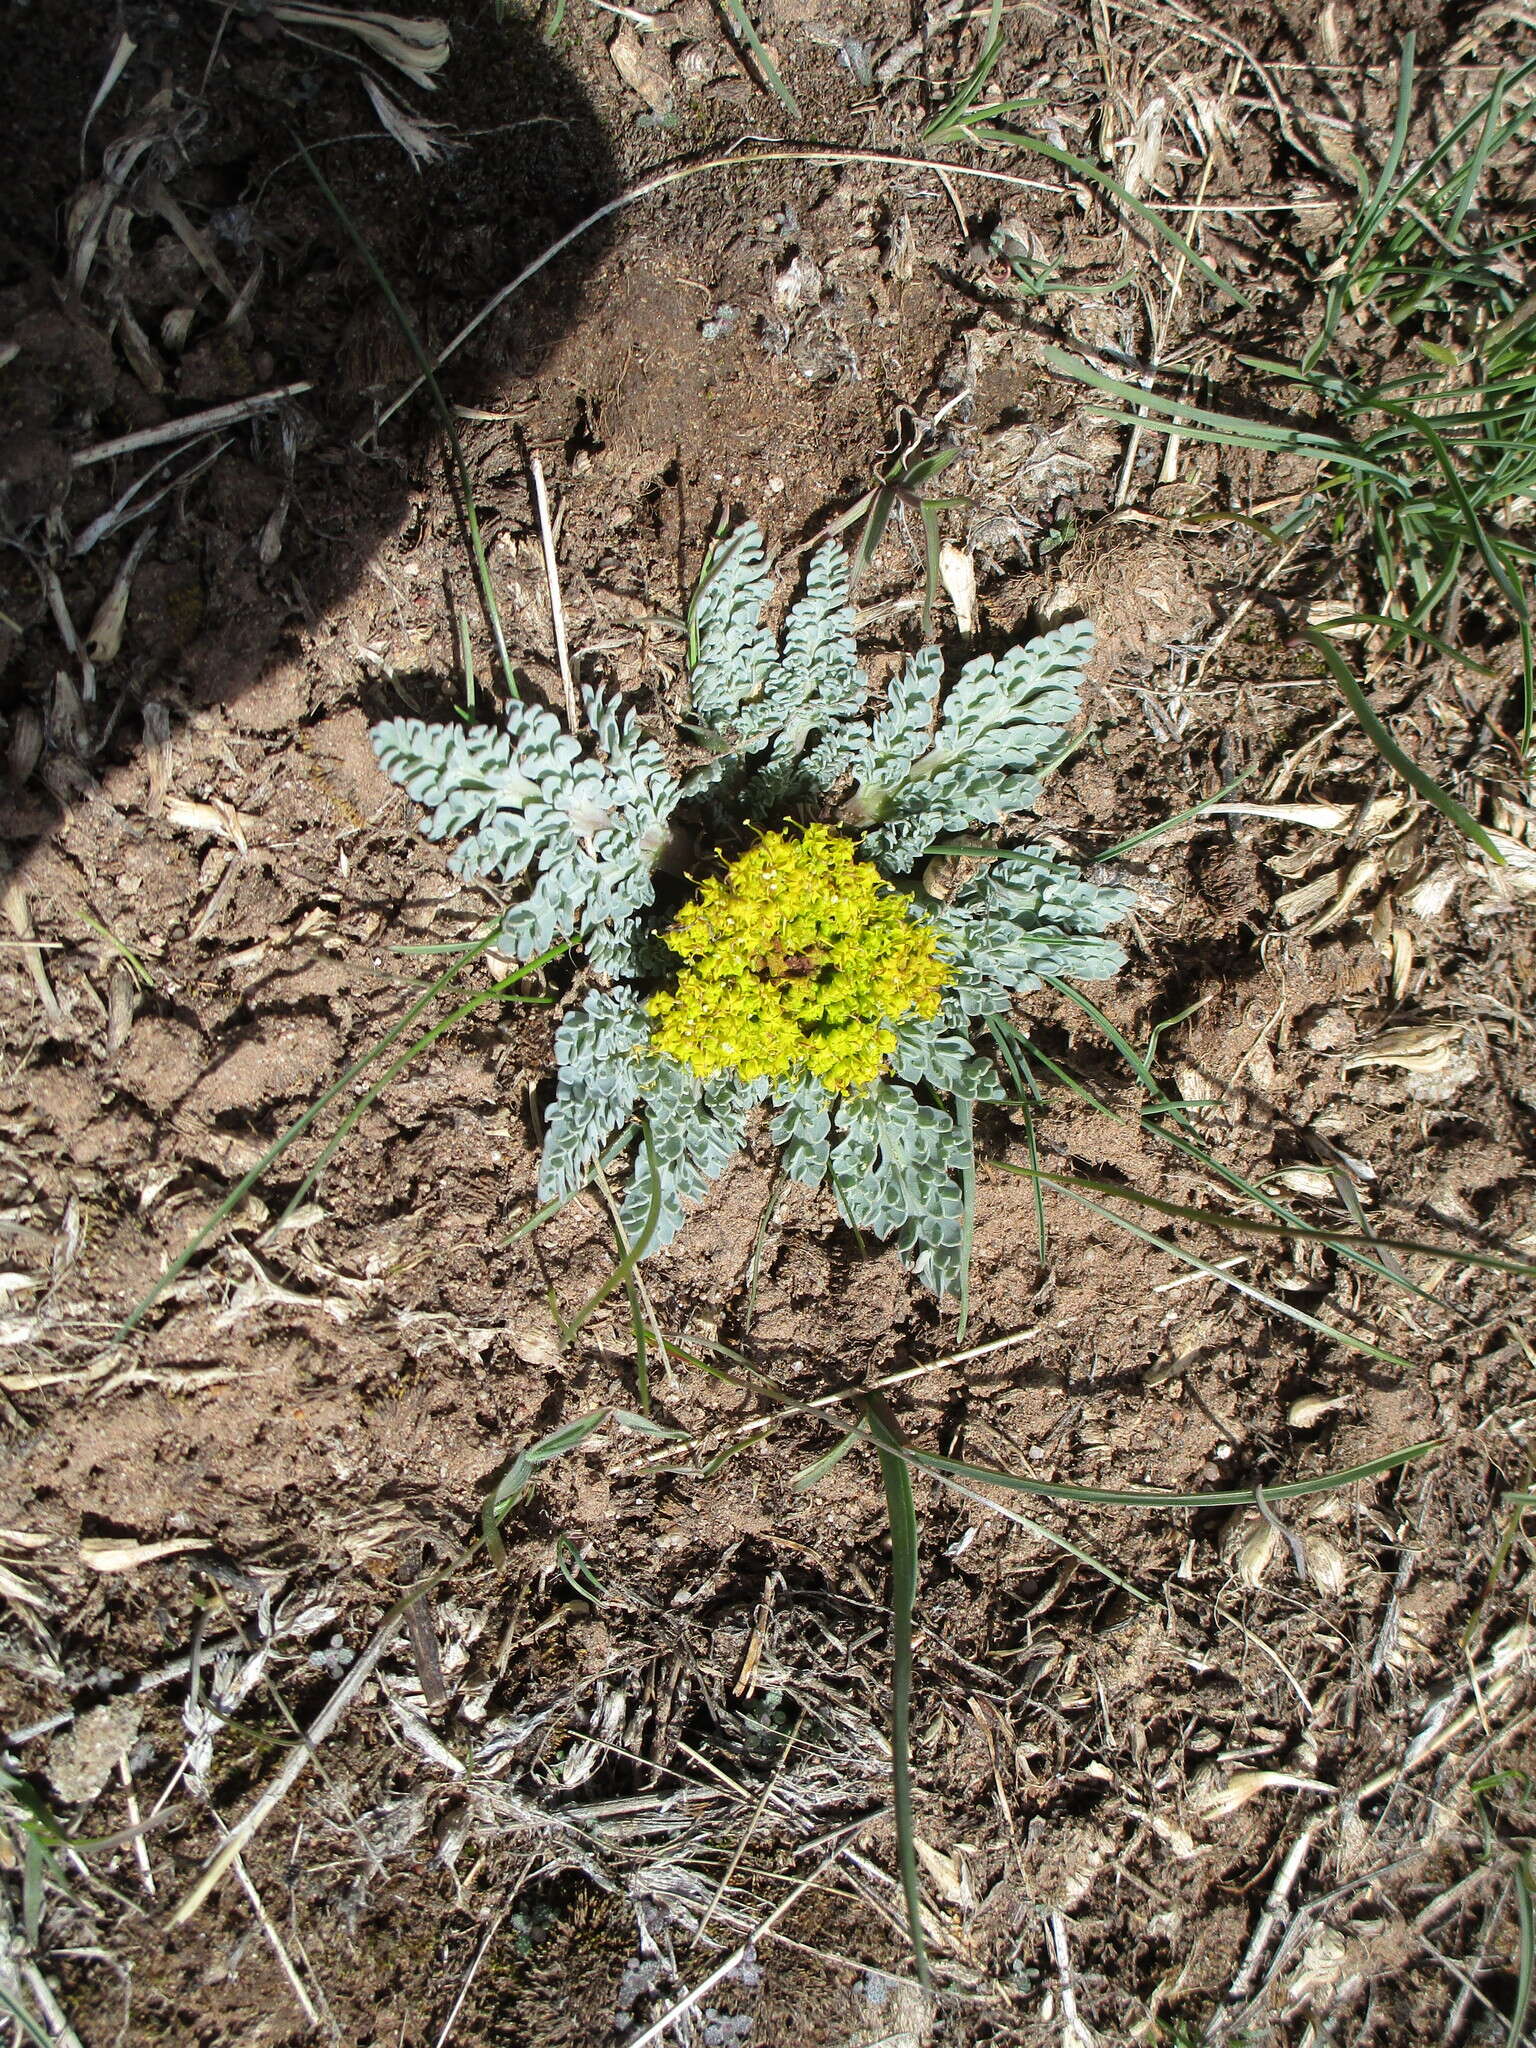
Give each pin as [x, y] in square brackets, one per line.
[798, 959]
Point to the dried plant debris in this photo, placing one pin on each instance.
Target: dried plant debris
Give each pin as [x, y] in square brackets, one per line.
[1257, 1773]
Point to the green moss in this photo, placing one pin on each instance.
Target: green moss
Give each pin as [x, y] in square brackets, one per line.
[799, 959]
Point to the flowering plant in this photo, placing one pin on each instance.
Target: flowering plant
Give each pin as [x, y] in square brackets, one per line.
[810, 972]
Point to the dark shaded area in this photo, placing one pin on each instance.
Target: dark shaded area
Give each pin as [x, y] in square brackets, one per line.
[193, 263]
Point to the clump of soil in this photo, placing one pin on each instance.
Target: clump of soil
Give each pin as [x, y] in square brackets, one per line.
[1227, 1773]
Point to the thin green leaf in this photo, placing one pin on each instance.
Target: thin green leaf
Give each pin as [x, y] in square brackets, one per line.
[965, 1123]
[1125, 846]
[899, 1506]
[1050, 1489]
[636, 1252]
[1052, 1536]
[1253, 1226]
[811, 1475]
[1123, 1046]
[296, 1130]
[20, 2017]
[1525, 1915]
[32, 1865]
[953, 116]
[515, 1482]
[1332, 1331]
[578, 1574]
[1206, 1161]
[494, 994]
[1026, 1102]
[765, 63]
[1013, 138]
[647, 1425]
[1194, 422]
[1152, 1497]
[1376, 732]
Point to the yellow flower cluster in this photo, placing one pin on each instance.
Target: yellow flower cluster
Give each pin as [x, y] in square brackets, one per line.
[797, 960]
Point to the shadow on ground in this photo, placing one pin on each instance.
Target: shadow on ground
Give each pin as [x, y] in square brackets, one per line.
[170, 254]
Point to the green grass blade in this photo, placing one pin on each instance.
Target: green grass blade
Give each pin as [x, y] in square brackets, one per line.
[446, 420]
[1194, 422]
[32, 1865]
[946, 124]
[20, 2017]
[1417, 778]
[619, 1277]
[295, 1130]
[1525, 1914]
[1048, 1489]
[1052, 1536]
[1136, 839]
[1288, 1309]
[519, 1475]
[1014, 138]
[812, 1475]
[552, 1209]
[1123, 1046]
[897, 1475]
[1376, 205]
[1206, 1161]
[478, 1001]
[1154, 1497]
[1254, 1226]
[765, 63]
[1027, 1101]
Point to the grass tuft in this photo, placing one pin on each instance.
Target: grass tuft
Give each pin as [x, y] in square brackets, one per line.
[1422, 380]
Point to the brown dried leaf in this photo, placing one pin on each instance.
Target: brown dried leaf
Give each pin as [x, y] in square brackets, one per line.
[1517, 877]
[1362, 877]
[1297, 904]
[643, 69]
[1417, 1048]
[216, 816]
[1427, 898]
[1214, 1798]
[122, 1554]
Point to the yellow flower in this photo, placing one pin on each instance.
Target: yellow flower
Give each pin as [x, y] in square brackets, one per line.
[798, 959]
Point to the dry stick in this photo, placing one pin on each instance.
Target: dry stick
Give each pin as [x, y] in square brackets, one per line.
[1073, 2033]
[1269, 1919]
[207, 422]
[303, 1753]
[136, 1822]
[647, 187]
[275, 1943]
[690, 1999]
[552, 576]
[469, 1977]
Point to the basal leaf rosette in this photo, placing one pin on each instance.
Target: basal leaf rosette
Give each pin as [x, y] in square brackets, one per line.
[814, 978]
[799, 960]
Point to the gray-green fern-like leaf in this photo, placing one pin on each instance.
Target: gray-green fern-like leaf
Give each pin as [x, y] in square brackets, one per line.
[528, 798]
[694, 1129]
[895, 1171]
[581, 831]
[597, 1050]
[748, 694]
[1000, 723]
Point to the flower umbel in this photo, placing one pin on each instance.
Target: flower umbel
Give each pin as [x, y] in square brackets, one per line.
[798, 961]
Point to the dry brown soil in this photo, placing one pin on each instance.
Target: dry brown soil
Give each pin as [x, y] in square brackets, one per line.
[586, 1775]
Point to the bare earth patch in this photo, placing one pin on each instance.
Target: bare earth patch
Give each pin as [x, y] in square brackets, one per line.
[1256, 1774]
